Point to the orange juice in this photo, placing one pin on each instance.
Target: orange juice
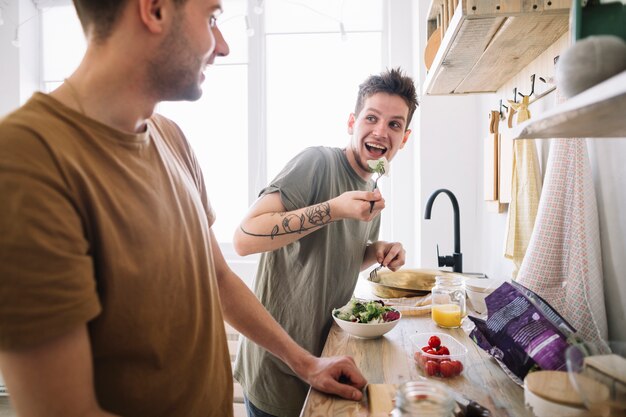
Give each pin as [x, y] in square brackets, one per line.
[447, 315]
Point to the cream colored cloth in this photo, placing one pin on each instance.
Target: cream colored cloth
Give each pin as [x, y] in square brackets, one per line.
[563, 263]
[525, 194]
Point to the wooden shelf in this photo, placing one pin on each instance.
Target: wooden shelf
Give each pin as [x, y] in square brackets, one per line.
[486, 42]
[598, 112]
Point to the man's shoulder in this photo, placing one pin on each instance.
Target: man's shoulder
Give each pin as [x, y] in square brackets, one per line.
[160, 120]
[33, 119]
[168, 130]
[320, 154]
[322, 150]
[34, 108]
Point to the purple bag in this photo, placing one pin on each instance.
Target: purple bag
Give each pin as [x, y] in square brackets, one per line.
[522, 331]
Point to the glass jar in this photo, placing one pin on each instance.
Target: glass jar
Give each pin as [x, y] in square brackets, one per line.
[425, 398]
[448, 298]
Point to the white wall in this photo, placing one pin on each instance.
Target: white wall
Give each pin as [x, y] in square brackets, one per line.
[9, 62]
[448, 157]
[19, 67]
[400, 216]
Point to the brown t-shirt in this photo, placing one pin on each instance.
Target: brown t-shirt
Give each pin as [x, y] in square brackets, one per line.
[111, 229]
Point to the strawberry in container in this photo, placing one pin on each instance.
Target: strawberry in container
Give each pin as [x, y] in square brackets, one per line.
[438, 354]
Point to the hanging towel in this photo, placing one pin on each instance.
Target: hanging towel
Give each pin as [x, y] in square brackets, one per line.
[525, 193]
[563, 263]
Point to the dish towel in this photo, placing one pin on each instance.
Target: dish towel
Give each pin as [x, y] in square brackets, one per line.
[563, 263]
[525, 193]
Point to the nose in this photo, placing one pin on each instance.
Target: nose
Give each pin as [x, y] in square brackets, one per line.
[221, 46]
[380, 130]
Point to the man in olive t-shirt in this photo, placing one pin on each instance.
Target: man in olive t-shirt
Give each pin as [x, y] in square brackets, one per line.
[317, 223]
[113, 289]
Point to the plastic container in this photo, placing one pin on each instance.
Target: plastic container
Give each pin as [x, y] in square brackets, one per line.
[437, 364]
[424, 399]
[448, 298]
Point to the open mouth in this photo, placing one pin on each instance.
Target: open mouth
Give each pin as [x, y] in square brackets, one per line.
[376, 149]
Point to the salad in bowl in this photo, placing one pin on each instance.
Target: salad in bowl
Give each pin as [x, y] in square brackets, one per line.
[366, 319]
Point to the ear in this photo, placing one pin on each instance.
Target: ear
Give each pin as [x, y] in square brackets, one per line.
[153, 14]
[405, 138]
[351, 121]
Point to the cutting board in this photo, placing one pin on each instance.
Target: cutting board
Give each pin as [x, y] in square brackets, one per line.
[556, 388]
[490, 164]
[432, 46]
[505, 169]
[380, 399]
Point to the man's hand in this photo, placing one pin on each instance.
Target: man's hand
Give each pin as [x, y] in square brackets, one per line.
[337, 375]
[389, 254]
[356, 205]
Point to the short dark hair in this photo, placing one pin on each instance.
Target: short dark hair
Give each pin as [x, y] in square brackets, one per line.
[102, 15]
[391, 82]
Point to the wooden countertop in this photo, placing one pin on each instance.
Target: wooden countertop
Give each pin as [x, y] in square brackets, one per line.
[389, 359]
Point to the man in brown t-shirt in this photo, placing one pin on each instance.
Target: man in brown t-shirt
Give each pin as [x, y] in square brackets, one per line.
[113, 289]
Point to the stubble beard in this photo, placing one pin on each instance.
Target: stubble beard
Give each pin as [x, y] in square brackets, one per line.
[174, 71]
[357, 158]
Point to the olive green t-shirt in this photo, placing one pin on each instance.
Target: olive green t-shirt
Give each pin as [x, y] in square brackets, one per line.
[299, 284]
[111, 229]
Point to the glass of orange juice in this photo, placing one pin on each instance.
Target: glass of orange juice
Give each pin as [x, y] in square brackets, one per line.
[448, 298]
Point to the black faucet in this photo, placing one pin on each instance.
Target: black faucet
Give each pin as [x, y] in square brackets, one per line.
[456, 260]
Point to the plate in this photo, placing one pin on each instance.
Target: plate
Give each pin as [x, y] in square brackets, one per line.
[405, 282]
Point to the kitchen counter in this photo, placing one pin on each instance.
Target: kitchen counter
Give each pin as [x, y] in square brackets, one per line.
[389, 360]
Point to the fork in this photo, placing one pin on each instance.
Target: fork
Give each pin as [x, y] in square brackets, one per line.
[374, 273]
[380, 174]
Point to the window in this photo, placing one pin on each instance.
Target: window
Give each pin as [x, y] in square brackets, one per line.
[217, 124]
[290, 82]
[63, 44]
[317, 53]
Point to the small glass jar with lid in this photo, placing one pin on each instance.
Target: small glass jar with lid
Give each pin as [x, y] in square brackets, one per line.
[448, 301]
[424, 398]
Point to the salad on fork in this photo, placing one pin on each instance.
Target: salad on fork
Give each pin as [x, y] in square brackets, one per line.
[378, 166]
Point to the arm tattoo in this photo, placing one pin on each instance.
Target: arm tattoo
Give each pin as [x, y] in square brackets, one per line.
[317, 216]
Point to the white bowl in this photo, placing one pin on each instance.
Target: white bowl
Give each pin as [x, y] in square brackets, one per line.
[477, 289]
[366, 330]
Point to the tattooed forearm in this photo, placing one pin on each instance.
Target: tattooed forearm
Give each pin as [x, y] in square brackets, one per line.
[317, 216]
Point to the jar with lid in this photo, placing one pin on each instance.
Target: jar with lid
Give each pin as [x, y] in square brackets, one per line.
[448, 298]
[425, 398]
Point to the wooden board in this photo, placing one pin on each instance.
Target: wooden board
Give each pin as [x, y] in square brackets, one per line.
[519, 41]
[556, 387]
[505, 169]
[490, 162]
[611, 367]
[483, 49]
[463, 44]
[492, 8]
[380, 399]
